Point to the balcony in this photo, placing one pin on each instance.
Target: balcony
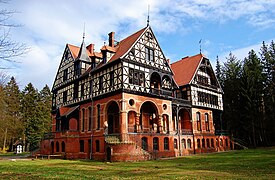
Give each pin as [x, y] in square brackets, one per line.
[180, 101]
[161, 92]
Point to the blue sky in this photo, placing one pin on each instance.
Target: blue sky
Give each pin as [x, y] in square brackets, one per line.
[224, 26]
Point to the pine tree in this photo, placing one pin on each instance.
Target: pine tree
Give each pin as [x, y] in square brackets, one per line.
[45, 104]
[218, 72]
[30, 114]
[268, 63]
[252, 98]
[231, 87]
[13, 115]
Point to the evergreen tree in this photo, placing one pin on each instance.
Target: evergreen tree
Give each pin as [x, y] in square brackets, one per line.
[252, 99]
[218, 72]
[231, 87]
[13, 115]
[45, 104]
[268, 63]
[31, 116]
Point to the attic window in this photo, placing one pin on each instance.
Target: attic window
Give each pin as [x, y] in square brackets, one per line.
[149, 54]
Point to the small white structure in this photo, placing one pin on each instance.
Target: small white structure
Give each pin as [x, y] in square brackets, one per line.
[18, 146]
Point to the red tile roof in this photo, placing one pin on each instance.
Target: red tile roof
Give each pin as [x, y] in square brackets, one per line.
[185, 69]
[75, 51]
[126, 44]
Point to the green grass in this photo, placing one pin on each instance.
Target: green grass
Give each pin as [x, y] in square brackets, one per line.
[245, 164]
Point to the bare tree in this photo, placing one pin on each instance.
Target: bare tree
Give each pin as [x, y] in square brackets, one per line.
[9, 49]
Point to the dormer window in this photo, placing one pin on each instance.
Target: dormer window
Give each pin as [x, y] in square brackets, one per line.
[149, 54]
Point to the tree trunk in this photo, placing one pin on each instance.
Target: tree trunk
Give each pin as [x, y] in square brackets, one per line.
[5, 139]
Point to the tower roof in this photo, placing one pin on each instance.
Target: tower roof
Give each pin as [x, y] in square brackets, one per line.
[82, 55]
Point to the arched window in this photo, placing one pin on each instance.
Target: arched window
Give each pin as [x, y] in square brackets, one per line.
[207, 122]
[203, 143]
[57, 146]
[198, 115]
[189, 145]
[144, 143]
[175, 144]
[221, 143]
[198, 143]
[226, 142]
[166, 143]
[212, 142]
[90, 119]
[155, 144]
[63, 146]
[183, 142]
[97, 146]
[207, 143]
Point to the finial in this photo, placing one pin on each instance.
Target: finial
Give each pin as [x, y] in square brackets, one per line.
[200, 45]
[84, 32]
[148, 17]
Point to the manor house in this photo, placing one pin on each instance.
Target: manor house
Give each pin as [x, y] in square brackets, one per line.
[128, 103]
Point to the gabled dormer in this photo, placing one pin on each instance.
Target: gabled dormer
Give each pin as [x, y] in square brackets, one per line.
[197, 82]
[109, 50]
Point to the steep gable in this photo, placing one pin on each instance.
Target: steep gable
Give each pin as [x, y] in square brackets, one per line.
[185, 69]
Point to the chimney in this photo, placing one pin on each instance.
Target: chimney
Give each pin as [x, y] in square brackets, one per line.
[91, 48]
[112, 39]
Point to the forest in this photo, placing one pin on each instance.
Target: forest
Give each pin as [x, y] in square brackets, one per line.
[249, 96]
[24, 115]
[249, 103]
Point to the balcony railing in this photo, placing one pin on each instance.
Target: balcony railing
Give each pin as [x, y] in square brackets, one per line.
[186, 132]
[161, 92]
[181, 101]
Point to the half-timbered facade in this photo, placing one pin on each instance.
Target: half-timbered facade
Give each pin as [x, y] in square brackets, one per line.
[128, 103]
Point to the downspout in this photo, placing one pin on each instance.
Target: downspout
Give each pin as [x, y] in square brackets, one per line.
[178, 129]
[194, 148]
[92, 123]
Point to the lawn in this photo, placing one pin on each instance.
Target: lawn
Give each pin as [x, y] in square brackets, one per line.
[244, 164]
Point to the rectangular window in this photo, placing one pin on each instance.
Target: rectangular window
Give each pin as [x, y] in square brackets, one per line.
[202, 79]
[156, 144]
[81, 146]
[75, 95]
[77, 68]
[100, 83]
[65, 94]
[207, 122]
[65, 75]
[82, 90]
[98, 117]
[149, 54]
[166, 143]
[136, 77]
[198, 121]
[111, 79]
[207, 98]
